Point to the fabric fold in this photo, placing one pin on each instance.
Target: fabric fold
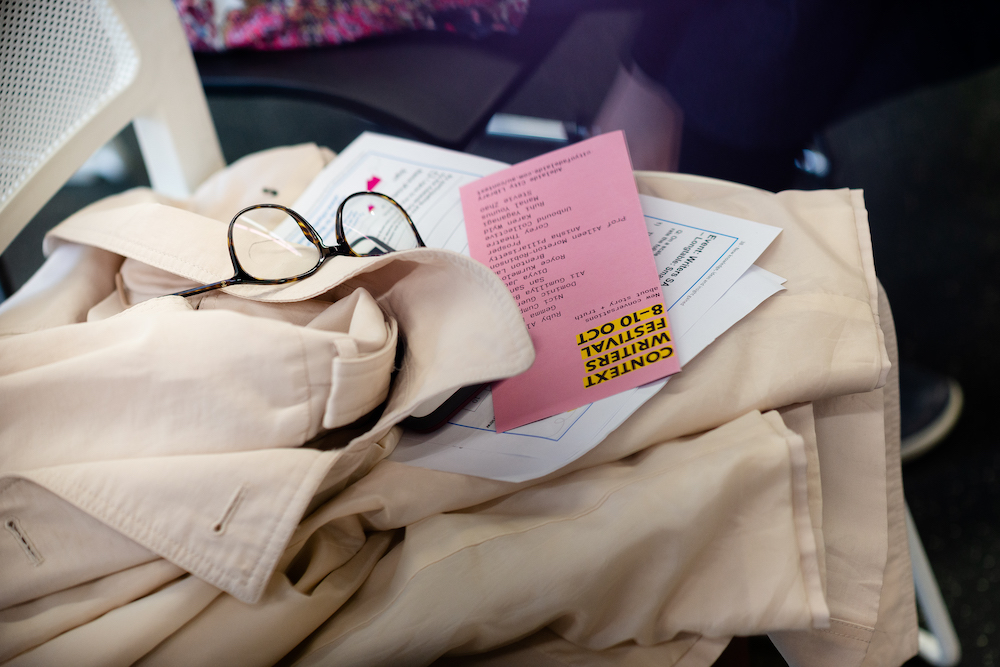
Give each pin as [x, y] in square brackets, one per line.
[536, 552]
[705, 515]
[231, 539]
[133, 408]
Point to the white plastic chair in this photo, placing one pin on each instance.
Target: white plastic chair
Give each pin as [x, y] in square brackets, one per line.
[938, 644]
[75, 72]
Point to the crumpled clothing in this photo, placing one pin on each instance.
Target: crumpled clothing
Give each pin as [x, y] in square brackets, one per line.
[758, 492]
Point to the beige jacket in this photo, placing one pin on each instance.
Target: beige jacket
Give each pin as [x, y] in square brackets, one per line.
[173, 493]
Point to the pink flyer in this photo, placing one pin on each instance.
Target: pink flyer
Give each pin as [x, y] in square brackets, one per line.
[565, 232]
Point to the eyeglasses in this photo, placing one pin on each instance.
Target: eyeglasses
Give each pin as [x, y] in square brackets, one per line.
[368, 224]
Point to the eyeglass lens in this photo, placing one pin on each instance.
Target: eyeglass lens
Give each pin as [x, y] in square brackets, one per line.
[374, 226]
[269, 245]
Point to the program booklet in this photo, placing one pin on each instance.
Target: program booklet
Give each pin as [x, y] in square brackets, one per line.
[565, 232]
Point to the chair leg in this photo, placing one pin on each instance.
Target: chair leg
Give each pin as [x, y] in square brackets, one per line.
[939, 646]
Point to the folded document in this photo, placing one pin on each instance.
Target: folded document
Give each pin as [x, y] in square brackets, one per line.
[704, 259]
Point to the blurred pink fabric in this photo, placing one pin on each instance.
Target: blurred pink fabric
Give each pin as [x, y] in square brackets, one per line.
[219, 25]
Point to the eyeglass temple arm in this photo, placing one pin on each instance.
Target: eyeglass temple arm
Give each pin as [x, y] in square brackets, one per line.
[205, 288]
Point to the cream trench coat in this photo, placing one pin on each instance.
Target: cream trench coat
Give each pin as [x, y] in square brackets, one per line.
[172, 492]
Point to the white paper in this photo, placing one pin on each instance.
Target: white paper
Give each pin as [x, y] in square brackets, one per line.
[751, 290]
[523, 453]
[712, 292]
[699, 255]
[469, 446]
[423, 179]
[723, 289]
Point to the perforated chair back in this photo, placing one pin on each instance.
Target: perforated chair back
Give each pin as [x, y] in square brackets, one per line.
[75, 72]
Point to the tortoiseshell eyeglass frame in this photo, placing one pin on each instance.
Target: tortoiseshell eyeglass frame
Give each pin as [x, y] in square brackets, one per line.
[343, 248]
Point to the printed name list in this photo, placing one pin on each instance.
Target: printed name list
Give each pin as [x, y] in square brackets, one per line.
[566, 234]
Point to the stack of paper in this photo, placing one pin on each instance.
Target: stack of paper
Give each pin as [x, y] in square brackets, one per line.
[565, 233]
[704, 259]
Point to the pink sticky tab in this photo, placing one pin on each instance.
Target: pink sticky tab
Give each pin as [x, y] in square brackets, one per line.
[565, 232]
